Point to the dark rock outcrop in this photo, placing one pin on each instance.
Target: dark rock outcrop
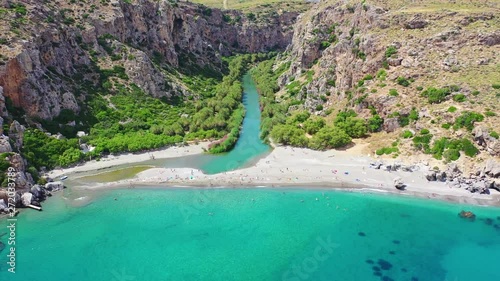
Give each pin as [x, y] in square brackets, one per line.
[467, 215]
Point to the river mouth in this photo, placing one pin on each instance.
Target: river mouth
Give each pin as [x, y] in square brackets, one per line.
[248, 150]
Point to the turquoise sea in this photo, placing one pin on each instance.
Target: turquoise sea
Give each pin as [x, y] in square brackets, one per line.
[188, 234]
[254, 234]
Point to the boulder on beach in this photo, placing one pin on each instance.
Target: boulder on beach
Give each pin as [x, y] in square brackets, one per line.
[26, 199]
[441, 176]
[37, 191]
[3, 206]
[430, 176]
[54, 186]
[467, 215]
[492, 168]
[399, 184]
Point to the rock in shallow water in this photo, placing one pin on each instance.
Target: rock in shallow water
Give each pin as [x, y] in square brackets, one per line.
[467, 215]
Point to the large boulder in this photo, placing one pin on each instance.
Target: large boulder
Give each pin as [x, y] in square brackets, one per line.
[391, 124]
[38, 192]
[416, 23]
[441, 176]
[452, 171]
[399, 184]
[16, 134]
[5, 144]
[26, 199]
[3, 206]
[467, 215]
[492, 168]
[431, 176]
[54, 186]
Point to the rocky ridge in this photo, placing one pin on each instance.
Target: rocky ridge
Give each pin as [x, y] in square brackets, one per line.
[379, 56]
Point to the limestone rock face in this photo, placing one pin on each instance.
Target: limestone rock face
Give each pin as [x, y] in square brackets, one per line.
[492, 168]
[36, 77]
[4, 144]
[391, 124]
[26, 199]
[16, 134]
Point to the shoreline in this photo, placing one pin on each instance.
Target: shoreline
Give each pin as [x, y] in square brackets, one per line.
[346, 170]
[111, 161]
[455, 199]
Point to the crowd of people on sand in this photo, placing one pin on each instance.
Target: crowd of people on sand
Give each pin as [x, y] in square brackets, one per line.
[263, 175]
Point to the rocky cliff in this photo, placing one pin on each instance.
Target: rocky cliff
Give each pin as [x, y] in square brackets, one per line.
[55, 55]
[59, 41]
[423, 67]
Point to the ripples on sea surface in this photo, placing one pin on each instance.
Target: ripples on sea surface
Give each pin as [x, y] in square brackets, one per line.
[254, 234]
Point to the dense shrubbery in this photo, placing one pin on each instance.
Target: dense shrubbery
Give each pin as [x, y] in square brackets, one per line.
[450, 149]
[435, 95]
[467, 120]
[329, 137]
[43, 151]
[289, 134]
[407, 134]
[313, 125]
[422, 142]
[375, 123]
[347, 121]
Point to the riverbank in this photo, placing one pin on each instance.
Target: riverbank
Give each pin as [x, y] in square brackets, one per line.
[131, 158]
[300, 167]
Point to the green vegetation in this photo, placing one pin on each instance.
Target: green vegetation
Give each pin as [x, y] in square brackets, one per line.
[494, 134]
[314, 124]
[407, 134]
[403, 81]
[459, 98]
[435, 95]
[393, 92]
[375, 123]
[289, 134]
[41, 150]
[387, 150]
[467, 120]
[446, 126]
[4, 166]
[495, 86]
[273, 112]
[330, 137]
[390, 51]
[347, 121]
[489, 113]
[450, 149]
[452, 109]
[424, 132]
[116, 124]
[421, 142]
[413, 116]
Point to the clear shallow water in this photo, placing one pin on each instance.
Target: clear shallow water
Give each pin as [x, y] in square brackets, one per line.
[254, 234]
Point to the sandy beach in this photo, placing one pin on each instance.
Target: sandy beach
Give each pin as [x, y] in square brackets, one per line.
[130, 158]
[287, 167]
